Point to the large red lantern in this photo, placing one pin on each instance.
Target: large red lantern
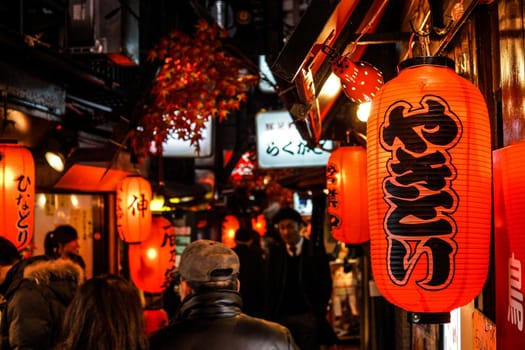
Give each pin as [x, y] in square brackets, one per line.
[346, 183]
[151, 261]
[133, 209]
[17, 201]
[429, 171]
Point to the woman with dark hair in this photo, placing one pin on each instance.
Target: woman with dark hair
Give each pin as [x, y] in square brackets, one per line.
[63, 243]
[105, 314]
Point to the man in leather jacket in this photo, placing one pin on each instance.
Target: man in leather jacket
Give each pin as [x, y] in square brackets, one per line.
[210, 315]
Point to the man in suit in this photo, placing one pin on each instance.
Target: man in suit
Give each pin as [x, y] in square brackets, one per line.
[299, 283]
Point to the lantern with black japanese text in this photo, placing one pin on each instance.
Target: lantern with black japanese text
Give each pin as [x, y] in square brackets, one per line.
[151, 261]
[133, 208]
[429, 182]
[347, 194]
[230, 225]
[17, 201]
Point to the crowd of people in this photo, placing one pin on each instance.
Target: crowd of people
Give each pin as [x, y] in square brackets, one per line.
[254, 296]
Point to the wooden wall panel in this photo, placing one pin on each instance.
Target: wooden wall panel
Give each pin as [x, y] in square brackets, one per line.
[512, 53]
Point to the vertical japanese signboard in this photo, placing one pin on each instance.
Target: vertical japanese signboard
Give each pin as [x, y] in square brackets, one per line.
[509, 226]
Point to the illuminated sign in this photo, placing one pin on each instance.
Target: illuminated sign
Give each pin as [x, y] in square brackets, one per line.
[279, 144]
[174, 147]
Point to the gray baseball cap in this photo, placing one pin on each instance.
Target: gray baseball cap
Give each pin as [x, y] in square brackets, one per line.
[206, 260]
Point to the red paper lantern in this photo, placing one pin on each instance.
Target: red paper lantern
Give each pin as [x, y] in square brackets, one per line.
[151, 261]
[133, 209]
[347, 194]
[17, 201]
[259, 224]
[429, 171]
[230, 225]
[360, 80]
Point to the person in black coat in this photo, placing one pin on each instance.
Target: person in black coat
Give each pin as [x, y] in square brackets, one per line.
[251, 271]
[299, 283]
[210, 315]
[36, 292]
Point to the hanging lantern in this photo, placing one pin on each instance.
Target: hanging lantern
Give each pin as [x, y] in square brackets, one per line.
[347, 194]
[133, 209]
[17, 201]
[259, 224]
[230, 225]
[429, 182]
[360, 80]
[151, 261]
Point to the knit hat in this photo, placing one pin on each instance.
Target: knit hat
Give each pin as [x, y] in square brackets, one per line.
[205, 261]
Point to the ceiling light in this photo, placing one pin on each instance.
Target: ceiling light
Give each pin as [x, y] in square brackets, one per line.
[55, 160]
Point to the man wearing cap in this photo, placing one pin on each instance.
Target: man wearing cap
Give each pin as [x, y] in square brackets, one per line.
[299, 283]
[210, 315]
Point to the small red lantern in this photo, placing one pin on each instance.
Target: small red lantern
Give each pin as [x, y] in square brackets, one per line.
[429, 171]
[151, 261]
[360, 80]
[230, 225]
[133, 209]
[259, 224]
[17, 201]
[347, 194]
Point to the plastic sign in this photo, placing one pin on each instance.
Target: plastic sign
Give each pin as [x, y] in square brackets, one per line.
[279, 144]
[174, 147]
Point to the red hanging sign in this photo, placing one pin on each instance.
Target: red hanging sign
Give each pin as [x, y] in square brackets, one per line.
[509, 221]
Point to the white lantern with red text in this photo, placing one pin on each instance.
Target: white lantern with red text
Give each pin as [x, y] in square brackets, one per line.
[133, 209]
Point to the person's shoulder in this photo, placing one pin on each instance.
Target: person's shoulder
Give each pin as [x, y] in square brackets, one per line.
[161, 338]
[263, 324]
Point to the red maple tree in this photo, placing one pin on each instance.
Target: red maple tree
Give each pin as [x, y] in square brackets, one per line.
[198, 79]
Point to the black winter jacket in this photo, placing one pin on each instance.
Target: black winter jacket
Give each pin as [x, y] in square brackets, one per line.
[37, 295]
[213, 321]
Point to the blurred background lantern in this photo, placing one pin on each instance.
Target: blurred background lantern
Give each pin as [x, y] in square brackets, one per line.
[429, 181]
[17, 203]
[259, 224]
[347, 194]
[151, 261]
[133, 209]
[230, 225]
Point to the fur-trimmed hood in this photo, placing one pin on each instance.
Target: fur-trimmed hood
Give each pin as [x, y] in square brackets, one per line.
[47, 271]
